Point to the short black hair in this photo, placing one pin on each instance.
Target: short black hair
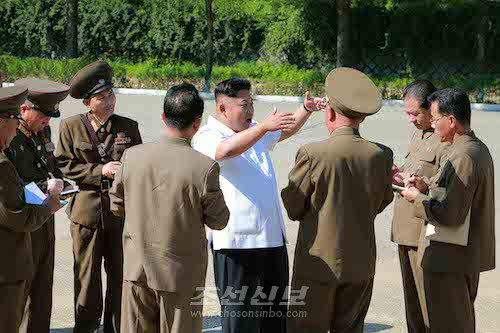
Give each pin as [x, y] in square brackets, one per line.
[453, 101]
[182, 106]
[420, 89]
[231, 87]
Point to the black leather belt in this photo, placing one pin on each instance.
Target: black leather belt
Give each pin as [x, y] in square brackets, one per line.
[104, 187]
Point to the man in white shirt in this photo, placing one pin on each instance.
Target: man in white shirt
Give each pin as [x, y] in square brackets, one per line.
[250, 257]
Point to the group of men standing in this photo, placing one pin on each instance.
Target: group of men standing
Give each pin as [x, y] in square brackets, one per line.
[88, 153]
[151, 210]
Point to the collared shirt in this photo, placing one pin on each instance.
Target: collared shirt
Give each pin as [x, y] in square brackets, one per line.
[248, 183]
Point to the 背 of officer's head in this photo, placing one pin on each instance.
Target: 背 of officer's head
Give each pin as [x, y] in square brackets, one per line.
[10, 100]
[351, 96]
[42, 102]
[416, 105]
[93, 84]
[183, 110]
[450, 112]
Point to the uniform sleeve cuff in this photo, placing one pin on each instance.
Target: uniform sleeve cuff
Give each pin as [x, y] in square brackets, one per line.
[97, 175]
[420, 211]
[426, 180]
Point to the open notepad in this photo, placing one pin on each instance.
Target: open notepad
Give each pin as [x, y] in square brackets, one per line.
[35, 196]
[458, 235]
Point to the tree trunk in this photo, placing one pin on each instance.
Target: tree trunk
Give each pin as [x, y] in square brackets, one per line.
[481, 38]
[72, 28]
[210, 44]
[343, 32]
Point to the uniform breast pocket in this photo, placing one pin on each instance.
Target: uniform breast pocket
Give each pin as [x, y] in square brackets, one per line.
[84, 148]
[427, 164]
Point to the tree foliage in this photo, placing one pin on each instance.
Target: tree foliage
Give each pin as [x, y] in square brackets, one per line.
[403, 33]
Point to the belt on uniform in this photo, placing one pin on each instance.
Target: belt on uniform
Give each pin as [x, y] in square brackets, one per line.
[105, 186]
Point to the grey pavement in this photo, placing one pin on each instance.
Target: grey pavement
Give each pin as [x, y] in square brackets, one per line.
[389, 127]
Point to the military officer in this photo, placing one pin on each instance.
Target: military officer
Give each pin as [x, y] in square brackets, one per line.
[336, 189]
[462, 193]
[423, 159]
[164, 240]
[31, 152]
[17, 218]
[89, 150]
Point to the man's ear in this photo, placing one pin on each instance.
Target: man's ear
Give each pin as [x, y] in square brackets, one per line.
[197, 124]
[453, 122]
[331, 114]
[24, 108]
[164, 118]
[220, 104]
[86, 102]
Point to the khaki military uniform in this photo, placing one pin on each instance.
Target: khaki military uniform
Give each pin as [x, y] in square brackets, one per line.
[337, 187]
[32, 155]
[425, 154]
[96, 232]
[451, 272]
[17, 220]
[171, 192]
[336, 251]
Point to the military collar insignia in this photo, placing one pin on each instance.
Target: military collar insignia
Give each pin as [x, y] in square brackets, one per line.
[24, 130]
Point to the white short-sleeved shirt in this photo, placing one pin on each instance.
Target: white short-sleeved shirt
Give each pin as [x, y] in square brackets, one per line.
[248, 183]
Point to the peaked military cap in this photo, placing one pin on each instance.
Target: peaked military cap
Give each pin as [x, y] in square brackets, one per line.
[10, 100]
[91, 80]
[45, 95]
[352, 93]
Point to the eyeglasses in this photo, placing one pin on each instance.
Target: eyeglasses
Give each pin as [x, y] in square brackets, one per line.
[434, 121]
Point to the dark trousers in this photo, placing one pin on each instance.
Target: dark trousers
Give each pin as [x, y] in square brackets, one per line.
[12, 296]
[252, 288]
[90, 247]
[38, 298]
[336, 307]
[413, 287]
[450, 301]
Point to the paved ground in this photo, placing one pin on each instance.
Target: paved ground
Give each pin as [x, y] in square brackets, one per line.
[389, 126]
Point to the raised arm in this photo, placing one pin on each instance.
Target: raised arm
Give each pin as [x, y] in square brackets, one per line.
[244, 140]
[302, 114]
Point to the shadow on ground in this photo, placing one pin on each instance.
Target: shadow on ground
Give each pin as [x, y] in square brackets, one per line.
[212, 324]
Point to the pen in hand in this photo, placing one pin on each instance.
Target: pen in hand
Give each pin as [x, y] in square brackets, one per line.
[54, 185]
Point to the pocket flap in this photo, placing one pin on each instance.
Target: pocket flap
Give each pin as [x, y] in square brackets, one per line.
[427, 156]
[85, 146]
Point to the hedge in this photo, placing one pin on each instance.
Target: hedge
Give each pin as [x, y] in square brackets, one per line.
[267, 78]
